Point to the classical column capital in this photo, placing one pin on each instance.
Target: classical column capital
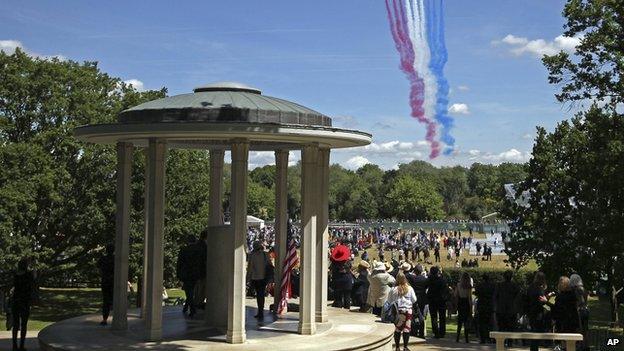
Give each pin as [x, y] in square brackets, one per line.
[240, 150]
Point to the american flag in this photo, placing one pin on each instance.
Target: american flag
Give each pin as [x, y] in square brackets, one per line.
[290, 261]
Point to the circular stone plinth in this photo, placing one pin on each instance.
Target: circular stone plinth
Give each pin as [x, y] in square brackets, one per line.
[345, 331]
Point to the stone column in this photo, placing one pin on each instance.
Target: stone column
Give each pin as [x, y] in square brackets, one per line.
[238, 204]
[145, 235]
[322, 235]
[155, 231]
[309, 208]
[216, 188]
[122, 236]
[281, 218]
[214, 292]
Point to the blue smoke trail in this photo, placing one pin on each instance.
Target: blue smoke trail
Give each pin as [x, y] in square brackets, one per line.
[439, 56]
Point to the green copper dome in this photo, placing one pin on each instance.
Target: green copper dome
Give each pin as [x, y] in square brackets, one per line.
[224, 102]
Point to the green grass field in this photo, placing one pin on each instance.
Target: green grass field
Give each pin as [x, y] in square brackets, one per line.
[59, 304]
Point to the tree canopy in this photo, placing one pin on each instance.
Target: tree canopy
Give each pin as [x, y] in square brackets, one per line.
[575, 215]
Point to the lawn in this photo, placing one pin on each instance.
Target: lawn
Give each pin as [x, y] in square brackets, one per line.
[58, 304]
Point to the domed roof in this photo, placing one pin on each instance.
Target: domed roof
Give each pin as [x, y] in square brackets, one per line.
[223, 102]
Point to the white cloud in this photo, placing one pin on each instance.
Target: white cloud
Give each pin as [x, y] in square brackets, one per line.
[463, 88]
[527, 136]
[394, 147]
[459, 109]
[356, 162]
[9, 47]
[511, 155]
[538, 47]
[137, 84]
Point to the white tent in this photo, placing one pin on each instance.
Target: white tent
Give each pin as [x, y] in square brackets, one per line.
[255, 222]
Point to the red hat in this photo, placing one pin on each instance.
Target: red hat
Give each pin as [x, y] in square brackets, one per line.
[340, 253]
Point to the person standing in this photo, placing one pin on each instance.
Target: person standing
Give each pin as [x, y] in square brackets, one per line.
[380, 283]
[463, 294]
[342, 278]
[106, 265]
[258, 265]
[506, 296]
[419, 282]
[405, 298]
[360, 286]
[564, 310]
[576, 285]
[188, 271]
[485, 307]
[201, 251]
[438, 295]
[536, 299]
[23, 288]
[436, 252]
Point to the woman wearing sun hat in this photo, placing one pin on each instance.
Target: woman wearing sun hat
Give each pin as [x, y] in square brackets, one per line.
[342, 278]
[360, 286]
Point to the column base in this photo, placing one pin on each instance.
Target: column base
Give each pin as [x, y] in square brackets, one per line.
[235, 337]
[307, 328]
[321, 317]
[153, 335]
[120, 324]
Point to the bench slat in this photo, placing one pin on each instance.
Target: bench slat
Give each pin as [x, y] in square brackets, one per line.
[537, 336]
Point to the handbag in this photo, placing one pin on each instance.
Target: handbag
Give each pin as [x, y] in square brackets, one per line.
[389, 312]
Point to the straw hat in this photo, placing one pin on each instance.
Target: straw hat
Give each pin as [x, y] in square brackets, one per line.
[406, 266]
[389, 267]
[364, 264]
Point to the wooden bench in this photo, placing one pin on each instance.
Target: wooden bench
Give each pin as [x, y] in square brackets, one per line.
[570, 339]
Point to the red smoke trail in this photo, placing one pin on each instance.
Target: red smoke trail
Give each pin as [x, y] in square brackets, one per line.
[403, 43]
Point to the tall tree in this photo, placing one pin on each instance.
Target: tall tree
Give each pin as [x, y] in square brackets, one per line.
[574, 219]
[596, 70]
[453, 186]
[57, 195]
[575, 214]
[415, 199]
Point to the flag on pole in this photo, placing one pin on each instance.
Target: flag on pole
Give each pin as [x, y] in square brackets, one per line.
[290, 261]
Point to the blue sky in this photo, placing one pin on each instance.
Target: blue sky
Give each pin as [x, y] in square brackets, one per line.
[333, 56]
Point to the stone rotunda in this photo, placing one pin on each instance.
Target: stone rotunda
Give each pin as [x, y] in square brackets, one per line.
[219, 117]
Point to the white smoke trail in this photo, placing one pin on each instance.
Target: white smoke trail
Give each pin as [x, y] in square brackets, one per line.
[417, 25]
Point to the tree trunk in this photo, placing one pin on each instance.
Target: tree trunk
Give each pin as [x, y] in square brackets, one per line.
[615, 318]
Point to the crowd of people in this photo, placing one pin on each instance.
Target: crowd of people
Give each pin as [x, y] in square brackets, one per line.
[378, 285]
[414, 293]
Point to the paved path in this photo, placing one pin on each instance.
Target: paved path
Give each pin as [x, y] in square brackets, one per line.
[31, 341]
[429, 345]
[449, 344]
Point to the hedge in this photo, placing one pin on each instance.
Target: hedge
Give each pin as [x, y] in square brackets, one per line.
[522, 277]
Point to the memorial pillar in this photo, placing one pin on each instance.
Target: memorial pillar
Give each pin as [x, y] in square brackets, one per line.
[216, 188]
[155, 230]
[281, 219]
[122, 236]
[309, 208]
[238, 203]
[143, 291]
[214, 292]
[322, 235]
